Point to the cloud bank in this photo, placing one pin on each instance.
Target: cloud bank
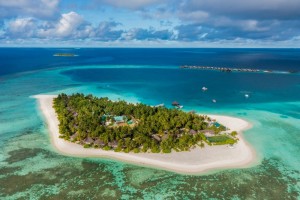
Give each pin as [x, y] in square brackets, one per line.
[170, 21]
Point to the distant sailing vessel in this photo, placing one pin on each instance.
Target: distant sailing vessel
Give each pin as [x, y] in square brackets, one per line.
[204, 88]
[214, 101]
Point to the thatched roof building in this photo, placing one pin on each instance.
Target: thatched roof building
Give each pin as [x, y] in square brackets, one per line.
[209, 133]
[88, 140]
[113, 144]
[192, 132]
[74, 136]
[165, 137]
[156, 137]
[99, 143]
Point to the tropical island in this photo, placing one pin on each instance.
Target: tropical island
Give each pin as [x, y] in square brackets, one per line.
[188, 158]
[64, 54]
[121, 126]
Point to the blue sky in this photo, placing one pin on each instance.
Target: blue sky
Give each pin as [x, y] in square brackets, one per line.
[150, 23]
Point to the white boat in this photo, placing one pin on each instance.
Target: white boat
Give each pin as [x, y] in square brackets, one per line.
[247, 95]
[204, 88]
[179, 106]
[214, 101]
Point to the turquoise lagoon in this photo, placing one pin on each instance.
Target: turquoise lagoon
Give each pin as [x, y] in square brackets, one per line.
[30, 168]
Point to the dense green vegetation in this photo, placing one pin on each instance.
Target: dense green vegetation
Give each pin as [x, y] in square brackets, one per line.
[221, 139]
[64, 54]
[122, 126]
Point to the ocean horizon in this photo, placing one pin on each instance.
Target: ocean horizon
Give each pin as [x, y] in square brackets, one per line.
[151, 76]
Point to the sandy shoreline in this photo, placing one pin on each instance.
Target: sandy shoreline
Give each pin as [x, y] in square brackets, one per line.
[196, 161]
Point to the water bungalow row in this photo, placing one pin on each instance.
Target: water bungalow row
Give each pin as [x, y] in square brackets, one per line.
[229, 69]
[223, 69]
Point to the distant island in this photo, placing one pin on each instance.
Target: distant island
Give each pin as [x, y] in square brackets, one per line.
[121, 126]
[65, 54]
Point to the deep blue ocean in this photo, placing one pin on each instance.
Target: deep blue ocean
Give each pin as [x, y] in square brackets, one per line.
[14, 60]
[151, 76]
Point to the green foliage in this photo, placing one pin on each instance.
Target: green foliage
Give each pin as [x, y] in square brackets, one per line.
[221, 140]
[168, 150]
[118, 149]
[155, 149]
[86, 146]
[106, 148]
[154, 129]
[233, 133]
[201, 145]
[136, 150]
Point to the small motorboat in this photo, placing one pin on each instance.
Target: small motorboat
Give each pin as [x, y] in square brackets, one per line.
[204, 88]
[247, 95]
[214, 101]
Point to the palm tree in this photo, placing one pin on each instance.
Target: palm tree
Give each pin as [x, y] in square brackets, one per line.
[202, 145]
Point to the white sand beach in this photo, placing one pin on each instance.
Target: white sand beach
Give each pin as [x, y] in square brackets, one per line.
[196, 161]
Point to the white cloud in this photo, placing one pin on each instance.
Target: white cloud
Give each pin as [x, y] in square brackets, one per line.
[67, 26]
[187, 20]
[107, 31]
[257, 9]
[29, 8]
[198, 15]
[68, 23]
[252, 25]
[131, 4]
[22, 27]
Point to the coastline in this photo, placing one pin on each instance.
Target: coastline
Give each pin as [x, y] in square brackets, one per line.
[195, 161]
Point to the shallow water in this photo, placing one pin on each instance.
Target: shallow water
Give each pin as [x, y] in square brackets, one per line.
[31, 169]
